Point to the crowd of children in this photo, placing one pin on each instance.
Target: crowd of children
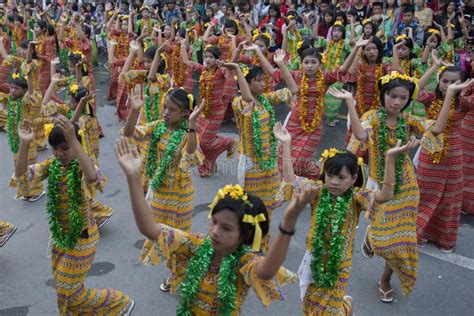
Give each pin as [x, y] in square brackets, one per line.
[398, 71]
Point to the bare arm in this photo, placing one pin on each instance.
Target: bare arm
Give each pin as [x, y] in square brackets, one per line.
[350, 60]
[396, 58]
[192, 143]
[130, 162]
[284, 138]
[136, 103]
[423, 82]
[3, 51]
[356, 125]
[244, 87]
[206, 35]
[26, 135]
[285, 73]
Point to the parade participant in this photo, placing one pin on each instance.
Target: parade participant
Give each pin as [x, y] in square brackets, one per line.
[335, 208]
[239, 220]
[170, 147]
[70, 175]
[439, 210]
[392, 234]
[217, 87]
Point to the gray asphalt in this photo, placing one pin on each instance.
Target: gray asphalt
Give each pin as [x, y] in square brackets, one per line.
[445, 283]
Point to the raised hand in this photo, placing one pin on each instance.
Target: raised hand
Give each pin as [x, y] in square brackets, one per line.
[220, 63]
[362, 42]
[279, 56]
[340, 94]
[68, 129]
[56, 77]
[56, 61]
[400, 44]
[251, 47]
[282, 134]
[128, 157]
[136, 100]
[398, 149]
[195, 114]
[25, 131]
[458, 85]
[299, 202]
[134, 46]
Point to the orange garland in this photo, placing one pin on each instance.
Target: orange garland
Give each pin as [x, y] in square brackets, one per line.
[433, 113]
[205, 89]
[319, 104]
[406, 66]
[178, 72]
[360, 90]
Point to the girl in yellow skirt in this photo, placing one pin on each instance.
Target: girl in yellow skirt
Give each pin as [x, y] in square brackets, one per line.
[335, 208]
[170, 147]
[258, 168]
[239, 220]
[79, 110]
[392, 234]
[23, 102]
[70, 174]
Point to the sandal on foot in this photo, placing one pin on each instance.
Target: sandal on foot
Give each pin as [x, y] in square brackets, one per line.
[6, 236]
[446, 250]
[36, 197]
[232, 150]
[102, 220]
[130, 308]
[385, 297]
[166, 285]
[422, 242]
[365, 248]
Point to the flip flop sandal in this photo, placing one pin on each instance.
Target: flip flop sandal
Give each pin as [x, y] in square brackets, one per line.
[232, 150]
[446, 250]
[385, 297]
[348, 308]
[422, 242]
[365, 248]
[101, 222]
[36, 197]
[166, 285]
[131, 306]
[7, 236]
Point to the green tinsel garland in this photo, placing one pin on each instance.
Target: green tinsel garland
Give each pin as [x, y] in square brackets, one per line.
[151, 103]
[257, 136]
[174, 142]
[197, 269]
[13, 123]
[400, 133]
[61, 238]
[329, 221]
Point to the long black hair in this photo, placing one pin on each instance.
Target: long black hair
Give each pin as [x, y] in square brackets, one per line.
[395, 83]
[334, 166]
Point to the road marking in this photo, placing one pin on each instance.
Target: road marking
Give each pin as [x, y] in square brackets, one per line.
[453, 258]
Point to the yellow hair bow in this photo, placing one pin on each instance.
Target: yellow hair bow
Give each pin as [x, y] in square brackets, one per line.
[16, 76]
[83, 139]
[337, 23]
[299, 44]
[234, 191]
[401, 37]
[434, 31]
[191, 101]
[365, 21]
[290, 17]
[163, 56]
[47, 129]
[219, 196]
[255, 221]
[245, 71]
[360, 161]
[329, 153]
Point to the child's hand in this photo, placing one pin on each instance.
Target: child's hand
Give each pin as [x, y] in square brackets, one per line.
[279, 56]
[282, 134]
[398, 149]
[299, 202]
[55, 61]
[68, 129]
[136, 100]
[252, 47]
[400, 44]
[195, 114]
[128, 157]
[220, 63]
[25, 131]
[134, 46]
[56, 77]
[362, 42]
[340, 94]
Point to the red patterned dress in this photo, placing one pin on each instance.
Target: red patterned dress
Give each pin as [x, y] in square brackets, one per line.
[46, 51]
[224, 43]
[218, 87]
[467, 140]
[5, 69]
[367, 95]
[254, 60]
[303, 143]
[440, 178]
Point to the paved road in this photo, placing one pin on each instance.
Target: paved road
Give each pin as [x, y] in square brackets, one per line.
[445, 285]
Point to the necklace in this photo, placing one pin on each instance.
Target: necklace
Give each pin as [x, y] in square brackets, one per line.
[319, 104]
[361, 82]
[205, 89]
[257, 136]
[13, 123]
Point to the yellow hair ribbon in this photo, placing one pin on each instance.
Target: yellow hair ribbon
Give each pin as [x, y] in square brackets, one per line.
[396, 75]
[365, 21]
[299, 44]
[234, 191]
[124, 17]
[290, 17]
[16, 76]
[47, 129]
[191, 101]
[434, 31]
[73, 88]
[220, 195]
[401, 37]
[245, 71]
[255, 221]
[337, 23]
[163, 56]
[83, 139]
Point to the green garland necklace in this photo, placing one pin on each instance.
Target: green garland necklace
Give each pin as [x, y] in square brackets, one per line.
[400, 133]
[151, 103]
[13, 123]
[61, 238]
[257, 136]
[158, 176]
[197, 269]
[329, 221]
